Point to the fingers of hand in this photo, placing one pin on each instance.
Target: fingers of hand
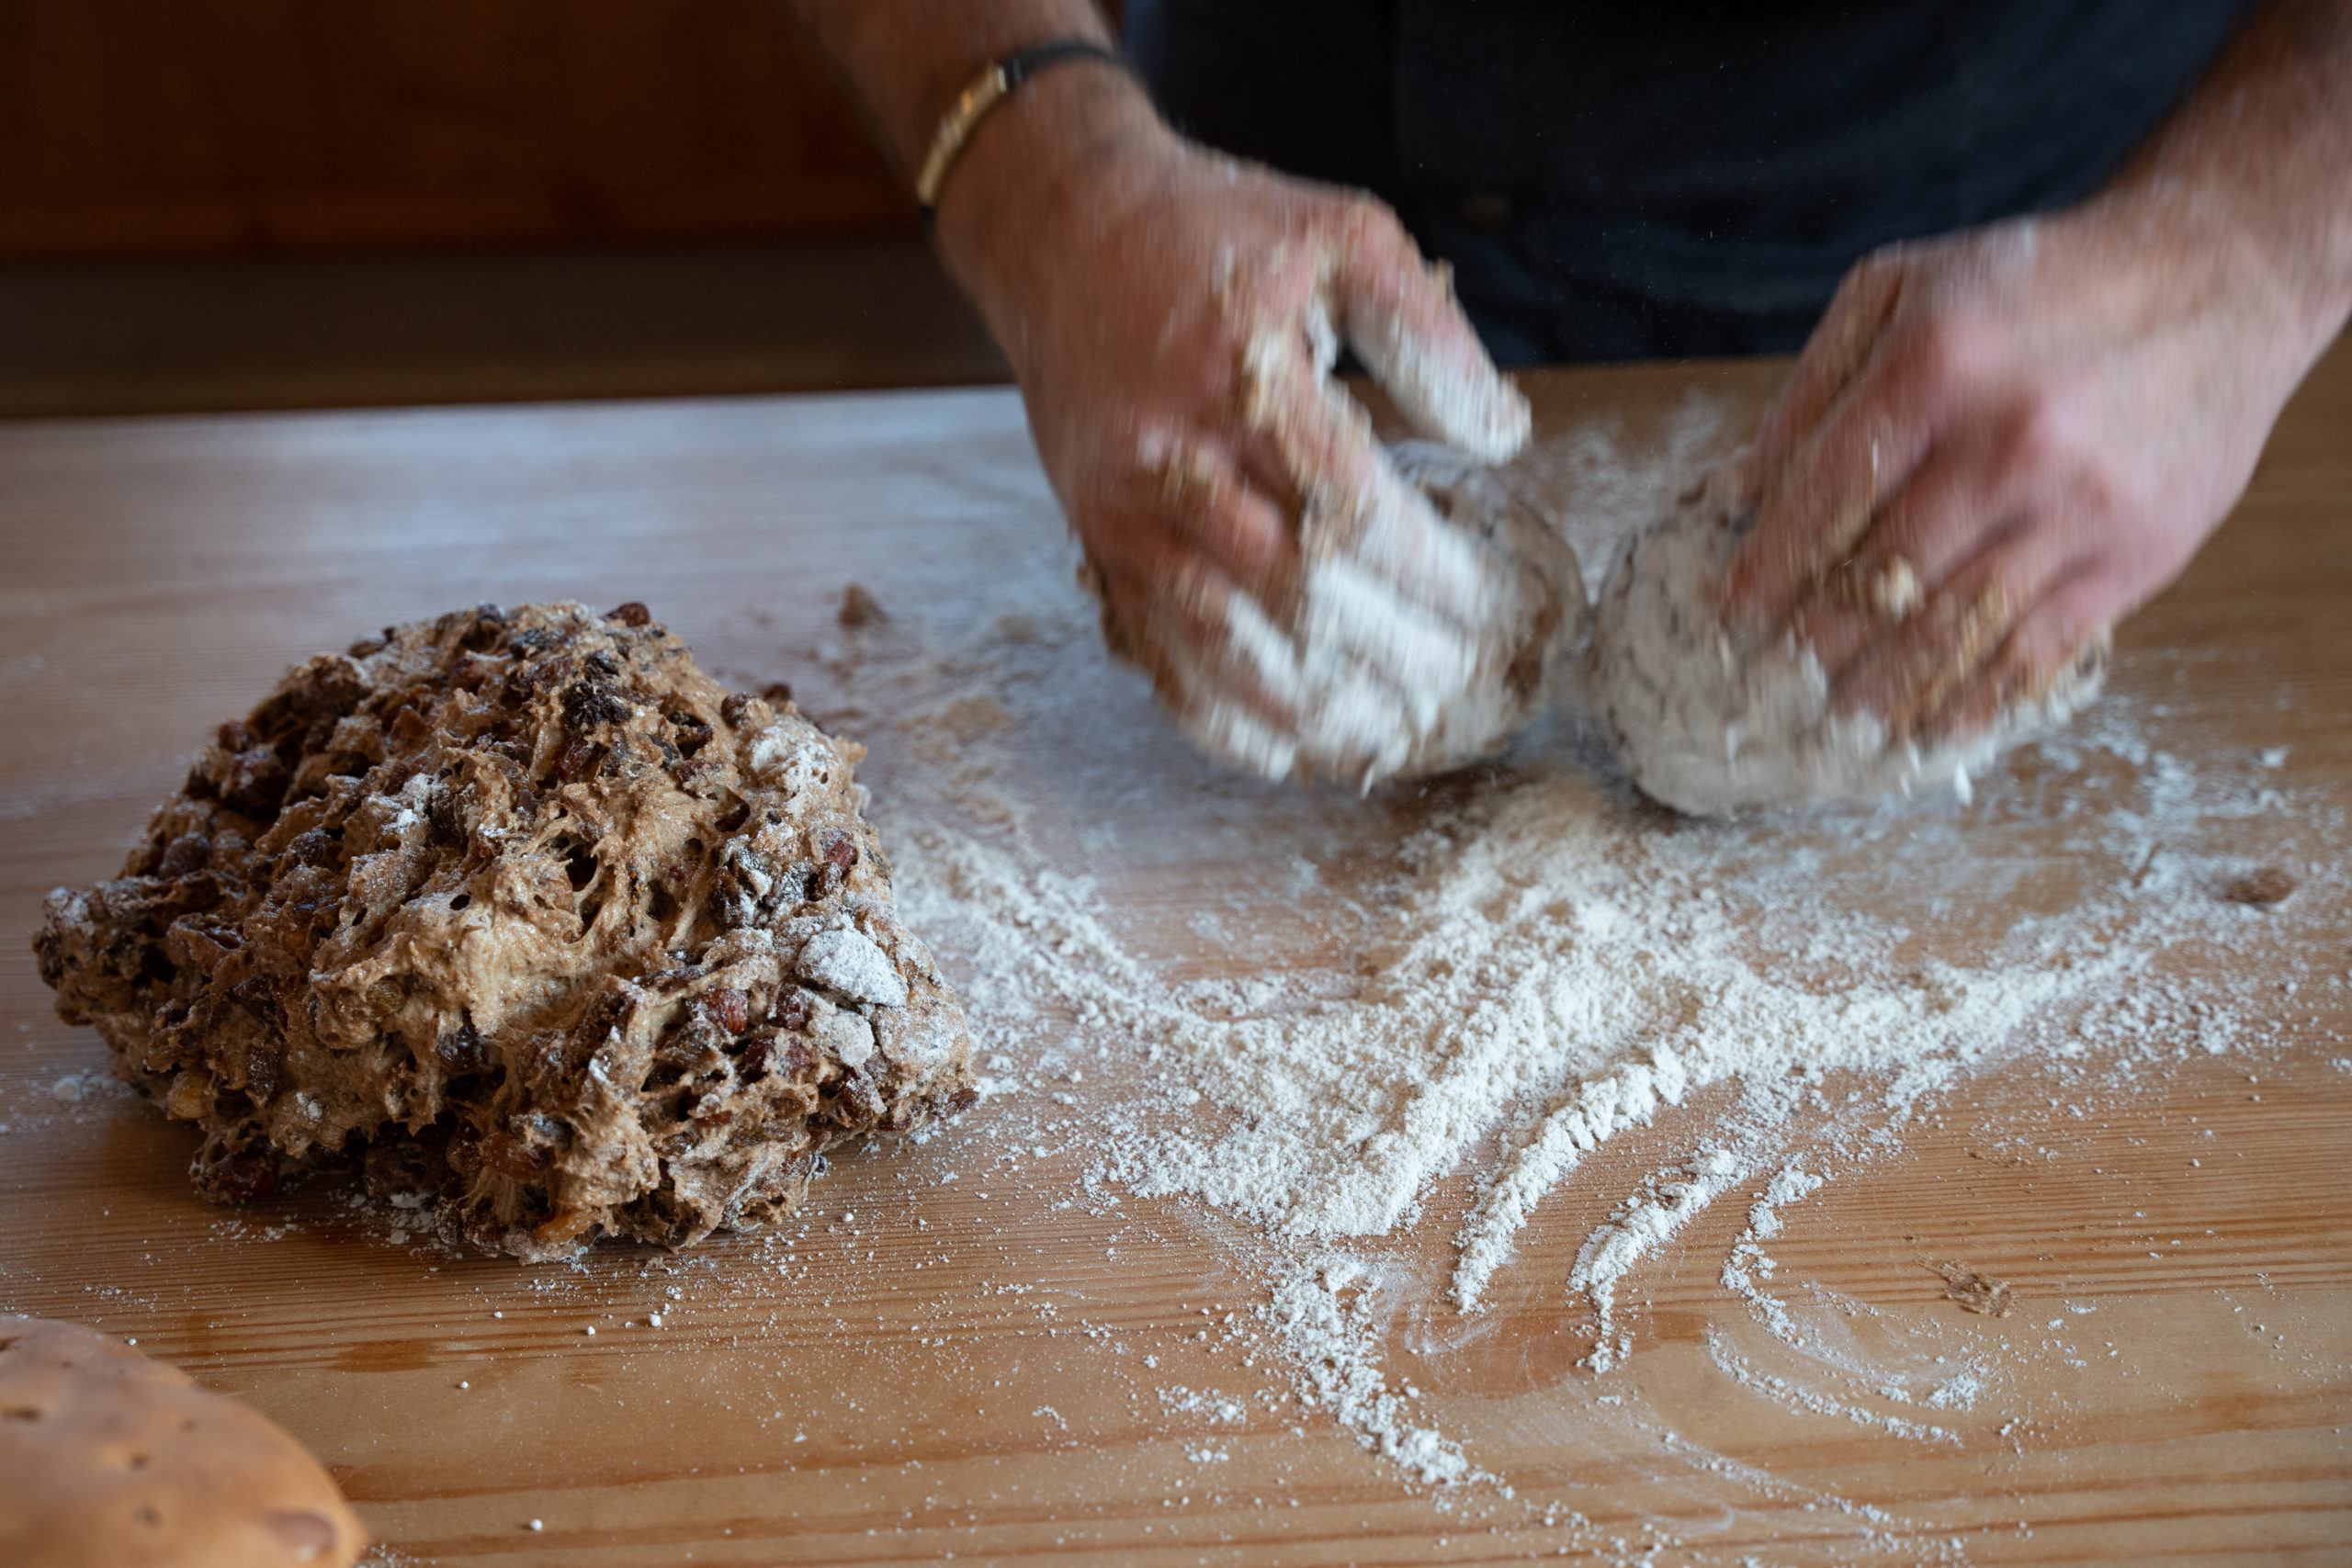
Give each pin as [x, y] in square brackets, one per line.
[1187, 625]
[1962, 500]
[1943, 647]
[1353, 503]
[1346, 692]
[1194, 495]
[1818, 496]
[2055, 639]
[1809, 519]
[1354, 617]
[1400, 316]
[1840, 345]
[1858, 606]
[1346, 672]
[1341, 613]
[1815, 509]
[1351, 681]
[1935, 651]
[1446, 570]
[1301, 438]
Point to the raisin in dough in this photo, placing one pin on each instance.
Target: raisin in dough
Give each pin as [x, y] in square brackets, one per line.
[112, 1461]
[520, 911]
[1714, 730]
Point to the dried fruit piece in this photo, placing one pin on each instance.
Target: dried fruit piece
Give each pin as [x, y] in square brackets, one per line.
[727, 1007]
[2268, 885]
[1974, 1291]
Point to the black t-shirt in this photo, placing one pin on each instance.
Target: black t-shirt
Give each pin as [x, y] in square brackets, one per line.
[1620, 180]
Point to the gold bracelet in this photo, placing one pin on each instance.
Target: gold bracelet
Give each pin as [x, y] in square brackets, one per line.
[995, 83]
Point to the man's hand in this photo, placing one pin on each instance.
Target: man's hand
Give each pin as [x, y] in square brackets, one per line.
[1998, 443]
[1173, 316]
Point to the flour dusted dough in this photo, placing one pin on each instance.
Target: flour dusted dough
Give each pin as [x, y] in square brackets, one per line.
[108, 1460]
[1369, 681]
[1712, 729]
[1544, 622]
[520, 911]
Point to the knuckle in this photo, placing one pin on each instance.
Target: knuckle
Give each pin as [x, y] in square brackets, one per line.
[1375, 214]
[1868, 277]
[2009, 581]
[2050, 639]
[2102, 494]
[1943, 350]
[2039, 435]
[2043, 429]
[1370, 224]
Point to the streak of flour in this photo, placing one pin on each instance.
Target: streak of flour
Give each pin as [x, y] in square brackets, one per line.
[1813, 1364]
[1553, 965]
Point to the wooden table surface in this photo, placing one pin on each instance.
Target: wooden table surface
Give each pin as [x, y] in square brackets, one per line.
[953, 1371]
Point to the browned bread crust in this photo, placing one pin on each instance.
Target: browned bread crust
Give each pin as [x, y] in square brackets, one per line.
[112, 1461]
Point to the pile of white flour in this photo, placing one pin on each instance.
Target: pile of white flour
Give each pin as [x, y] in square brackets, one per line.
[1544, 961]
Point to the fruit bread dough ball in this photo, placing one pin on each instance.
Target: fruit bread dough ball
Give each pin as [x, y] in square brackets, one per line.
[1713, 729]
[519, 911]
[108, 1460]
[1547, 620]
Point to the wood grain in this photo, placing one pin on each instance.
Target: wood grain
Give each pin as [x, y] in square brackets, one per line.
[960, 1368]
[131, 126]
[181, 335]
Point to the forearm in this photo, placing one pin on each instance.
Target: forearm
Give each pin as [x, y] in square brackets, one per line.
[2263, 146]
[907, 60]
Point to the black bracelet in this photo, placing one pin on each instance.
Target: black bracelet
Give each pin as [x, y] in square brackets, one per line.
[991, 87]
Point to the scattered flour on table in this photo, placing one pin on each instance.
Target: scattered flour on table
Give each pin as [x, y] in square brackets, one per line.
[1749, 1265]
[1551, 961]
[1814, 1366]
[1541, 965]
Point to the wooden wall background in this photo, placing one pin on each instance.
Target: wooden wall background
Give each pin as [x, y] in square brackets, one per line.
[159, 125]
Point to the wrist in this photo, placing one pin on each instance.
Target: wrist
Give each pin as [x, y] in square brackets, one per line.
[2268, 209]
[1036, 172]
[2284, 270]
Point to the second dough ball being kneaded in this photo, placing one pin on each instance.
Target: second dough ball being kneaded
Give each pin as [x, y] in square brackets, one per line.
[1714, 730]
